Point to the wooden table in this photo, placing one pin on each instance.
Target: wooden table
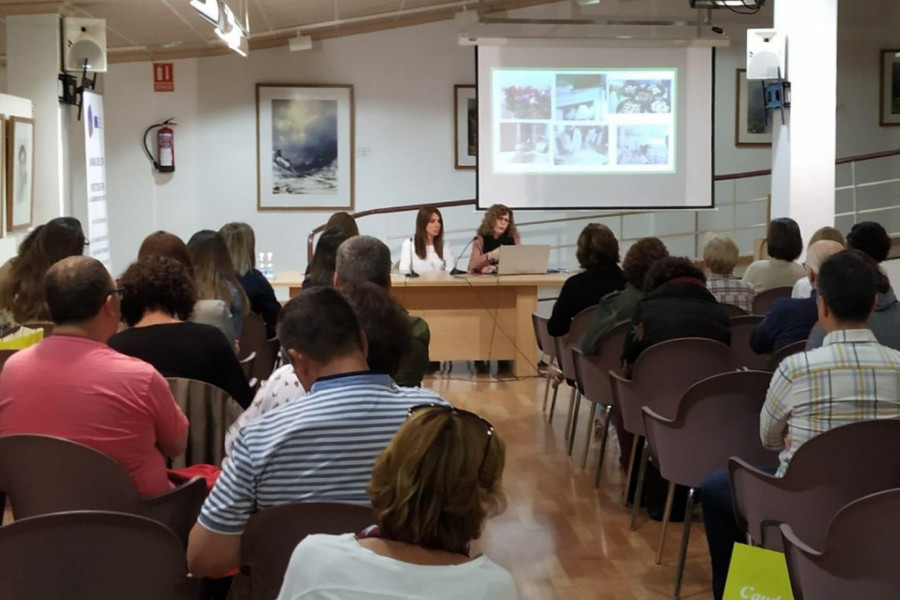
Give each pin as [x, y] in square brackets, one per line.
[471, 317]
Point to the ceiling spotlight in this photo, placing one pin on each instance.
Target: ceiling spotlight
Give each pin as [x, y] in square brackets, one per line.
[300, 43]
[753, 5]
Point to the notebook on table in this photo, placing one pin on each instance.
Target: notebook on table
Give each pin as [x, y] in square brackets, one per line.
[523, 259]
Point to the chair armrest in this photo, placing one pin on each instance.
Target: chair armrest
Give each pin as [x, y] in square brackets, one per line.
[177, 509]
[790, 539]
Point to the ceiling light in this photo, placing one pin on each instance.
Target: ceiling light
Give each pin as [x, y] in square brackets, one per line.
[748, 4]
[300, 43]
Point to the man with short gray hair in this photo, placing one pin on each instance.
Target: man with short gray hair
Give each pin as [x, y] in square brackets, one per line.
[363, 258]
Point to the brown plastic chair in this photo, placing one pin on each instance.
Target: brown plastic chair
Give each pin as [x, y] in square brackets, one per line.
[860, 556]
[592, 379]
[210, 411]
[763, 301]
[272, 534]
[827, 472]
[93, 555]
[661, 375]
[785, 351]
[717, 418]
[247, 364]
[253, 339]
[744, 356]
[564, 345]
[733, 311]
[43, 474]
[547, 346]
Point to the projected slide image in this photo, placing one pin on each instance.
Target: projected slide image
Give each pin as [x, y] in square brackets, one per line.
[581, 97]
[524, 144]
[581, 145]
[643, 145]
[640, 96]
[525, 94]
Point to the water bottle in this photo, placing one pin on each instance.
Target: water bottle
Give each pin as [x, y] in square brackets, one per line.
[270, 268]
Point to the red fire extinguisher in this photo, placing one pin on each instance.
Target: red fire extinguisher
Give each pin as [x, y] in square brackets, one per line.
[164, 161]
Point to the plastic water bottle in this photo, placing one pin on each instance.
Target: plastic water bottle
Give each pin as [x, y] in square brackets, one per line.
[261, 263]
[270, 267]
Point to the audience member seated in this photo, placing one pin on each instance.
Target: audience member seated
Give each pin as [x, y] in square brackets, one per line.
[598, 255]
[22, 277]
[321, 269]
[496, 229]
[431, 490]
[618, 306]
[157, 298]
[344, 222]
[677, 305]
[72, 385]
[851, 378]
[241, 244]
[790, 320]
[321, 449]
[872, 240]
[784, 245]
[803, 288]
[208, 311]
[720, 255]
[215, 277]
[427, 250]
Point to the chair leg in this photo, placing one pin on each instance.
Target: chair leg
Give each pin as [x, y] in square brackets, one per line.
[603, 440]
[569, 416]
[575, 408]
[634, 445]
[553, 403]
[667, 514]
[685, 536]
[547, 388]
[587, 438]
[639, 491]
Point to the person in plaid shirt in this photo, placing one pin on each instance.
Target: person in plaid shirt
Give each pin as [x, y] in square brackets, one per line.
[719, 257]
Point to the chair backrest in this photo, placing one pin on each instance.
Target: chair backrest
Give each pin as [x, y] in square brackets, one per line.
[860, 556]
[592, 372]
[247, 364]
[763, 301]
[741, 328]
[210, 411]
[93, 555]
[785, 351]
[733, 311]
[272, 534]
[546, 342]
[717, 418]
[572, 339]
[663, 373]
[825, 473]
[253, 339]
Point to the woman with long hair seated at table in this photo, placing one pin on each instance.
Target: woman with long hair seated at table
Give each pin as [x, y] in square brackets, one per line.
[157, 299]
[496, 229]
[432, 490]
[427, 250]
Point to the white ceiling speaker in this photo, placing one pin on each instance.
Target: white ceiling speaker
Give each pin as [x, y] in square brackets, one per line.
[84, 40]
[766, 54]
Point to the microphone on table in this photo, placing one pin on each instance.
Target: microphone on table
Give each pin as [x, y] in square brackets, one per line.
[454, 270]
[412, 251]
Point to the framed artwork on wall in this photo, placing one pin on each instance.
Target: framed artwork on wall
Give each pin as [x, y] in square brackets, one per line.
[304, 147]
[752, 126]
[19, 173]
[465, 126]
[889, 109]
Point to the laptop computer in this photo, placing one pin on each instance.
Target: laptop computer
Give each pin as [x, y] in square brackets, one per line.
[523, 259]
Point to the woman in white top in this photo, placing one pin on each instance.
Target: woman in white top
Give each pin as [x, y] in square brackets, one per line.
[432, 489]
[427, 251]
[784, 245]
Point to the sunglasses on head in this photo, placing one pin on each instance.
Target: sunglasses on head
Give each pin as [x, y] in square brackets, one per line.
[489, 429]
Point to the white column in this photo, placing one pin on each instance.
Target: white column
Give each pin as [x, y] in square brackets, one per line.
[33, 63]
[803, 151]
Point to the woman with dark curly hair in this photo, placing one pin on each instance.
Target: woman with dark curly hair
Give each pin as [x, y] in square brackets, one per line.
[496, 229]
[432, 489]
[676, 305]
[157, 299]
[598, 255]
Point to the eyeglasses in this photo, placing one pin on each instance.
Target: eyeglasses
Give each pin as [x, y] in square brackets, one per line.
[118, 292]
[87, 242]
[489, 432]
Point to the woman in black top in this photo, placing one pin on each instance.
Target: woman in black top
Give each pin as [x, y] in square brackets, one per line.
[598, 255]
[158, 296]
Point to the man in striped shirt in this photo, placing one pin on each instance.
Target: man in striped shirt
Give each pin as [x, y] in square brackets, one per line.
[320, 448]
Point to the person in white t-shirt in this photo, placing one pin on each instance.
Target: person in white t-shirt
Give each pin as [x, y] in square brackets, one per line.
[427, 251]
[432, 489]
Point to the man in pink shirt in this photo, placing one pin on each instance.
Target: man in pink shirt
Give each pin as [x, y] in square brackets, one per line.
[72, 385]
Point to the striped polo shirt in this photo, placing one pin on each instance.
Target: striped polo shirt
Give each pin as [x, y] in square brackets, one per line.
[320, 448]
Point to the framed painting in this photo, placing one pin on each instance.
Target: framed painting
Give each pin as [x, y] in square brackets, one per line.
[889, 108]
[752, 126]
[19, 173]
[465, 124]
[304, 147]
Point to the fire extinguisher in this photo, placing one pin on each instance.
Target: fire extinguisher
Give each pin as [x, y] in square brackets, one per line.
[164, 162]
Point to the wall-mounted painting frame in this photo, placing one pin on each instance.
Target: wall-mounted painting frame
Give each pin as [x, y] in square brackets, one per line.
[465, 127]
[19, 173]
[752, 126]
[304, 147]
[889, 90]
